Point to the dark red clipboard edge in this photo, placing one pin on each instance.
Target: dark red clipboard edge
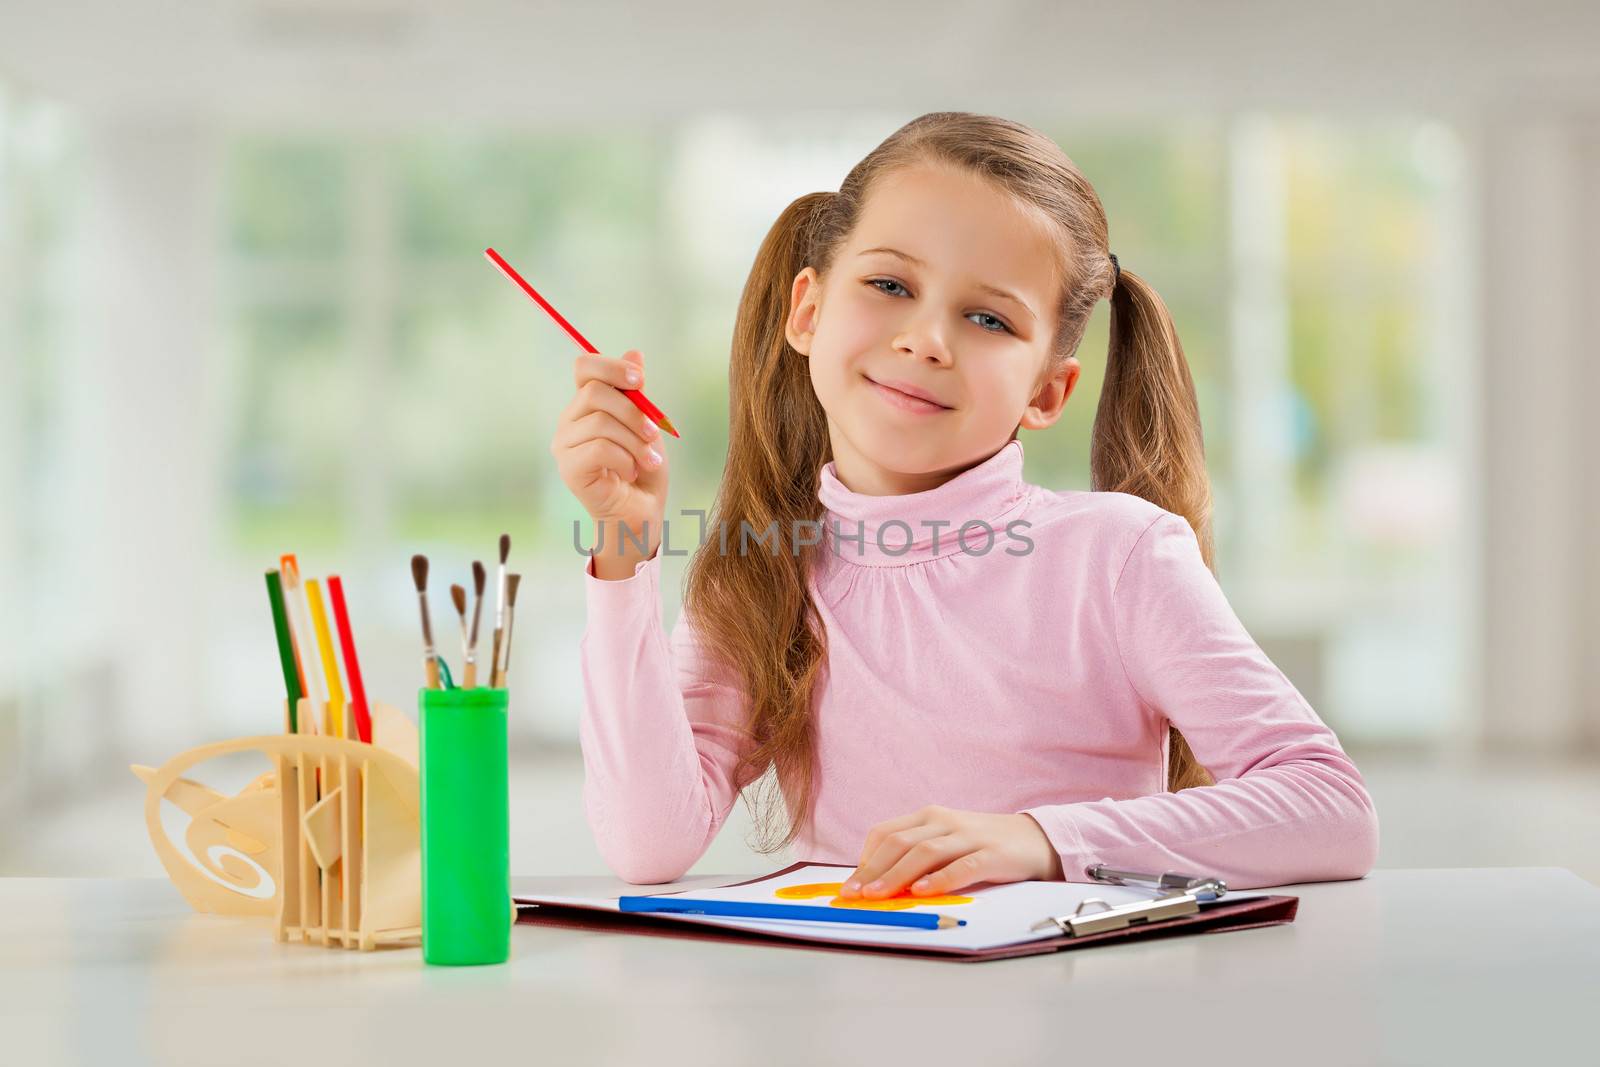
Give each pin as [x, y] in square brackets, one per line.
[1217, 919]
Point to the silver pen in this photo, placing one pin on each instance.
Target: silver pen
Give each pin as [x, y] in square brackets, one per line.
[1171, 882]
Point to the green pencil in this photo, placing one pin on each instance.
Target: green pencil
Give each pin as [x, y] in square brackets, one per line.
[291, 673]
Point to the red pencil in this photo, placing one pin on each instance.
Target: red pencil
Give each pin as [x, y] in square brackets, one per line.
[352, 668]
[640, 401]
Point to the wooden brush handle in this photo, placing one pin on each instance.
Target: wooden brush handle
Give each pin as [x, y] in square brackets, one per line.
[494, 659]
[432, 667]
[469, 678]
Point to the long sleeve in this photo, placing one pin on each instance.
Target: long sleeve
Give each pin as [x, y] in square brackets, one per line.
[1288, 804]
[661, 732]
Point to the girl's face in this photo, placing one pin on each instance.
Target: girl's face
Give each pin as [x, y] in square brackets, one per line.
[947, 287]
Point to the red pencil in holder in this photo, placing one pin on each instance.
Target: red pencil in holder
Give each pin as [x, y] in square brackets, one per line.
[352, 667]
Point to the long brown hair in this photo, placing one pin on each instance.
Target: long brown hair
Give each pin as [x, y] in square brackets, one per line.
[753, 610]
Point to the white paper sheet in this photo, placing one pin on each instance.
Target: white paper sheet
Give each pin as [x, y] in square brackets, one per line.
[997, 914]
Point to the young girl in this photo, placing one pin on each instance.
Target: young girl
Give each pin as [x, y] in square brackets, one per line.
[954, 676]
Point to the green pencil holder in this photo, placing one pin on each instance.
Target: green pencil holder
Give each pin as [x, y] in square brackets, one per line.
[466, 826]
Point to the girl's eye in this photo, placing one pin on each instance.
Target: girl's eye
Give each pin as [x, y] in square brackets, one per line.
[875, 283]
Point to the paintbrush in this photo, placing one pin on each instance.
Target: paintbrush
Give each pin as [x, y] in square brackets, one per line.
[499, 613]
[458, 597]
[479, 577]
[430, 662]
[512, 582]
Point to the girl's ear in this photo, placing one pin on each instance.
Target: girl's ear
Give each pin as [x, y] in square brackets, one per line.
[805, 304]
[1045, 407]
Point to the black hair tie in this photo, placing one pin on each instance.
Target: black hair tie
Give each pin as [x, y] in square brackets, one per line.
[1116, 271]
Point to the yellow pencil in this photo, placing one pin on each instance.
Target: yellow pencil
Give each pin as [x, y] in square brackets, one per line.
[330, 665]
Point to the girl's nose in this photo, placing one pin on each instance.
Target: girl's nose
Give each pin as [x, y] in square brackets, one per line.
[924, 342]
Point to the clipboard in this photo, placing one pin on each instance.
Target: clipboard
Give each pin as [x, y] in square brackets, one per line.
[1173, 915]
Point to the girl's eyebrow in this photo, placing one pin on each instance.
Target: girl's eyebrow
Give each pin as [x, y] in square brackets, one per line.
[992, 290]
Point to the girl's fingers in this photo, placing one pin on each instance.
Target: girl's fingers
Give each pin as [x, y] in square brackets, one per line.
[593, 457]
[614, 372]
[893, 849]
[928, 855]
[595, 395]
[971, 868]
[883, 829]
[604, 424]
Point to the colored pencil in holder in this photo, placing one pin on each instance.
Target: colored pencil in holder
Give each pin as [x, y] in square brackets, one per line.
[335, 723]
[286, 654]
[304, 638]
[359, 713]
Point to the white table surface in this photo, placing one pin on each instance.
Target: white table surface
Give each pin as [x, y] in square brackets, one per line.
[1493, 965]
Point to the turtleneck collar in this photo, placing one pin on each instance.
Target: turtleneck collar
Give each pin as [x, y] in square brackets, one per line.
[912, 527]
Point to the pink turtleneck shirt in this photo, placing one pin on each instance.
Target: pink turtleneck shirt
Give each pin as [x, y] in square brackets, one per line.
[1034, 672]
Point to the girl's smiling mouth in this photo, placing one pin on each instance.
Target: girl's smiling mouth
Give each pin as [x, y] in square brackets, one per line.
[898, 395]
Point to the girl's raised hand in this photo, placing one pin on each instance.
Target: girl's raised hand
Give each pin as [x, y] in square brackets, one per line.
[608, 452]
[941, 850]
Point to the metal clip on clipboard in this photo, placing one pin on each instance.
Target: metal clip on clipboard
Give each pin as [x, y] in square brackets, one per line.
[1181, 894]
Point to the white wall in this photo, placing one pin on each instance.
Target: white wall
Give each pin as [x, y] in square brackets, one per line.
[1540, 451]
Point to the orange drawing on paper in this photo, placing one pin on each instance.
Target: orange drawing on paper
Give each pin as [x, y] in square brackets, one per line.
[899, 902]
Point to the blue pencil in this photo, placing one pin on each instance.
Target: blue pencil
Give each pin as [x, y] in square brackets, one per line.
[749, 909]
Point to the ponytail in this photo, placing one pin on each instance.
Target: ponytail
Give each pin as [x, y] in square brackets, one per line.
[766, 376]
[753, 612]
[1147, 439]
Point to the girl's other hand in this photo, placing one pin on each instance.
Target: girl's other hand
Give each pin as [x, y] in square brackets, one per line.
[608, 452]
[941, 850]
